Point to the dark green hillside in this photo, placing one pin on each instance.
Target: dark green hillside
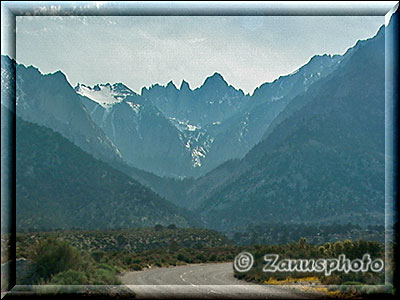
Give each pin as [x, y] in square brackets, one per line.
[60, 186]
[324, 162]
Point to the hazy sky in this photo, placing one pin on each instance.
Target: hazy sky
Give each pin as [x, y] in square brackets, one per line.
[141, 51]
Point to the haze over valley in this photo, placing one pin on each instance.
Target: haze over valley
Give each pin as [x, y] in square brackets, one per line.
[313, 139]
[155, 150]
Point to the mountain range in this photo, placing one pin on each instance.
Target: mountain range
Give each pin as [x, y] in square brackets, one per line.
[307, 147]
[59, 186]
[323, 160]
[50, 101]
[167, 131]
[187, 133]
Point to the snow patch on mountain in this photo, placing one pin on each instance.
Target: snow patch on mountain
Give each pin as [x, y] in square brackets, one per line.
[134, 106]
[197, 153]
[183, 125]
[244, 128]
[105, 94]
[195, 139]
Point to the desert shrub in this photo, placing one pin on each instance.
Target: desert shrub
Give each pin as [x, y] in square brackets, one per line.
[53, 256]
[158, 227]
[106, 267]
[97, 255]
[188, 260]
[103, 276]
[201, 258]
[70, 277]
[137, 267]
[331, 280]
[127, 260]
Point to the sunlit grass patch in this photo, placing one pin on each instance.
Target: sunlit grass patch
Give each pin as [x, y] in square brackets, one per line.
[291, 280]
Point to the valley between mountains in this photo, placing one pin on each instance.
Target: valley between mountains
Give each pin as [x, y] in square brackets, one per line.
[307, 148]
[141, 191]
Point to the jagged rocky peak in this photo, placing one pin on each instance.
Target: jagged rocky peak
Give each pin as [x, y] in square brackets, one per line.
[216, 78]
[79, 86]
[171, 85]
[96, 88]
[323, 59]
[143, 91]
[120, 87]
[56, 74]
[185, 86]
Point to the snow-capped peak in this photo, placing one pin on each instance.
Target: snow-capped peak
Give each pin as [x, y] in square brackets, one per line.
[105, 94]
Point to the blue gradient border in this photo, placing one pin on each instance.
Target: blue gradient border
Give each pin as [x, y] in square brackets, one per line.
[10, 9]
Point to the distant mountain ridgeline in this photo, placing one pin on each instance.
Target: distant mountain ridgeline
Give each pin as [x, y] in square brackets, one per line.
[184, 132]
[324, 161]
[145, 138]
[308, 146]
[114, 124]
[50, 101]
[167, 131]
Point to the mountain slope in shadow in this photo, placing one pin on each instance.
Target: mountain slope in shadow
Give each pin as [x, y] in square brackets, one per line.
[60, 186]
[324, 162]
